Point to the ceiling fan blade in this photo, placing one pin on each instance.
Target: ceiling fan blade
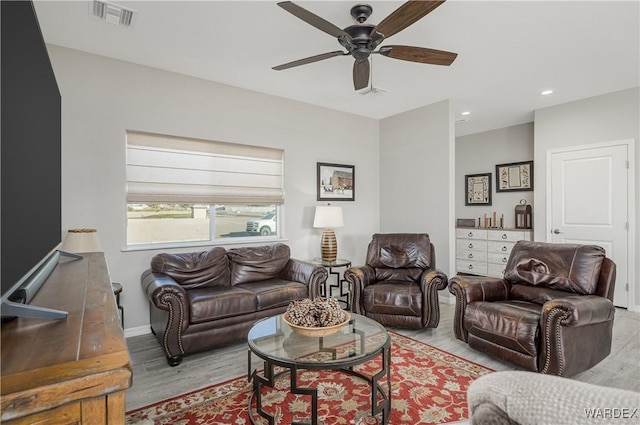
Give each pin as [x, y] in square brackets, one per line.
[402, 17]
[419, 54]
[361, 73]
[310, 59]
[314, 20]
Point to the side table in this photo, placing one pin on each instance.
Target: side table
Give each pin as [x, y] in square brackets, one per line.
[339, 284]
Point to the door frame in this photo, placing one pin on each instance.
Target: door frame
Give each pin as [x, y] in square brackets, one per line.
[631, 207]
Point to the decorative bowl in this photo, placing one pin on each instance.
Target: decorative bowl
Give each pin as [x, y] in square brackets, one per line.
[319, 330]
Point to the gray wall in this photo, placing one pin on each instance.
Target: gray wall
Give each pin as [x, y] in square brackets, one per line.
[102, 98]
[416, 166]
[478, 154]
[610, 117]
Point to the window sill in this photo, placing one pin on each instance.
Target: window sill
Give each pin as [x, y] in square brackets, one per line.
[250, 241]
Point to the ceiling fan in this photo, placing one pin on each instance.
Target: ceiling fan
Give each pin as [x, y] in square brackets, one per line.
[361, 40]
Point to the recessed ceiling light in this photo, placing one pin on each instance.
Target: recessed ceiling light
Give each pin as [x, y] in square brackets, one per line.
[546, 92]
[465, 113]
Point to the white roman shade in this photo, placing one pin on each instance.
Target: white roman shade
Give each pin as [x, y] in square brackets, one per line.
[167, 169]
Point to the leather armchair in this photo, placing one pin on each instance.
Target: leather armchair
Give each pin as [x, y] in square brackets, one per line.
[398, 287]
[551, 313]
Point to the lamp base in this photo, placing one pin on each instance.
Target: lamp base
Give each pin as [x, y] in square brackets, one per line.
[329, 245]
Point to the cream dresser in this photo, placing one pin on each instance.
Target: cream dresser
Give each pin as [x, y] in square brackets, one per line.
[485, 252]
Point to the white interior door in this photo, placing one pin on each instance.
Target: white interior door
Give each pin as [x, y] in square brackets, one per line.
[588, 191]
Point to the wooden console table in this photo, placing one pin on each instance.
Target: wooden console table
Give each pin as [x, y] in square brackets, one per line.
[67, 371]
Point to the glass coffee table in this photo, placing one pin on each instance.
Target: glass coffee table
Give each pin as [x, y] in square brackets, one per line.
[362, 339]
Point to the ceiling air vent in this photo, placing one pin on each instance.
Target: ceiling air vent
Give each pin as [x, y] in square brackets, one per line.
[113, 13]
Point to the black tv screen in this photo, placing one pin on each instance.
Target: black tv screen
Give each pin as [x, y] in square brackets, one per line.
[30, 146]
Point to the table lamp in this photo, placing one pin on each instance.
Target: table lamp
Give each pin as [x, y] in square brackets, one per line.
[328, 217]
[81, 240]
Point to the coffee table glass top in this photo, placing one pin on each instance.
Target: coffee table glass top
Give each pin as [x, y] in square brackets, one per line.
[273, 339]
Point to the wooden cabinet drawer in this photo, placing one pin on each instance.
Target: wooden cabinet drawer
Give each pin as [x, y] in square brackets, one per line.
[498, 259]
[505, 235]
[470, 245]
[472, 267]
[495, 270]
[504, 248]
[471, 254]
[471, 233]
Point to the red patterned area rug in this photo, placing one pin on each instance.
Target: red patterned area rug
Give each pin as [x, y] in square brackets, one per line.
[428, 386]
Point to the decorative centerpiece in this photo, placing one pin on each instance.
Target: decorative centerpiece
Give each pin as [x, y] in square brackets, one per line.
[318, 317]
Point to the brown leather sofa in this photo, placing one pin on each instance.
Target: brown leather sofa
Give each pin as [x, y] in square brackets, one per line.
[551, 313]
[202, 300]
[398, 287]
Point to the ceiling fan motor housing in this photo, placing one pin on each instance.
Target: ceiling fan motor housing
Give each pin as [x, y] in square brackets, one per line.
[360, 45]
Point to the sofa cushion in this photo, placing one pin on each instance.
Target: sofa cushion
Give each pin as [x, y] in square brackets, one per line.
[209, 304]
[251, 264]
[396, 298]
[195, 269]
[511, 324]
[399, 250]
[565, 267]
[274, 293]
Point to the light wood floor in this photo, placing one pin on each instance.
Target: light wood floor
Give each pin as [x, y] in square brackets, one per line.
[154, 380]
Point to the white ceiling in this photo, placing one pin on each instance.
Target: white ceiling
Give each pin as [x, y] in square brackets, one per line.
[508, 52]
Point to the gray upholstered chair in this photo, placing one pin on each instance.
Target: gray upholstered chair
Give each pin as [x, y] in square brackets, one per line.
[527, 398]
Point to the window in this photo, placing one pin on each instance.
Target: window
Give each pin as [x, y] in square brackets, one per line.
[190, 191]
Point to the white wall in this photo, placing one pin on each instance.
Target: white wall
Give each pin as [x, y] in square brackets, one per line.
[416, 165]
[102, 98]
[478, 154]
[611, 117]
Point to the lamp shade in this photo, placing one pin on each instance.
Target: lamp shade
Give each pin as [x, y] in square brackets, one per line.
[328, 217]
[81, 240]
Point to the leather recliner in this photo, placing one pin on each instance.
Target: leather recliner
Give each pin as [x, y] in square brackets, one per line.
[398, 287]
[551, 313]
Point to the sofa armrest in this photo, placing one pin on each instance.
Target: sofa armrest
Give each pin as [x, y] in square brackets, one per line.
[479, 288]
[165, 294]
[305, 272]
[359, 278]
[580, 310]
[432, 281]
[575, 333]
[468, 289]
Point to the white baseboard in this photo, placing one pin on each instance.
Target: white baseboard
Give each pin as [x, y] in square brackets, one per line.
[140, 330]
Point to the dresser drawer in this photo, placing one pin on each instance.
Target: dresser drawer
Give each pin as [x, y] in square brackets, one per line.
[471, 233]
[496, 270]
[495, 247]
[498, 259]
[470, 245]
[471, 267]
[505, 235]
[464, 253]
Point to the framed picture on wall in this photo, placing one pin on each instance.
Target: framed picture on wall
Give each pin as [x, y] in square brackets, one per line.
[514, 177]
[477, 188]
[336, 182]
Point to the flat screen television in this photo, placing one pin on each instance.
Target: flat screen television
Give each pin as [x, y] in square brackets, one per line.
[30, 160]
